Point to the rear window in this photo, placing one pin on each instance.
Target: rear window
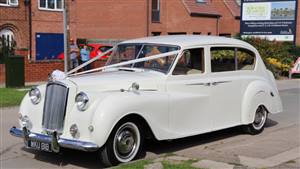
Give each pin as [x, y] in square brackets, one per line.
[230, 59]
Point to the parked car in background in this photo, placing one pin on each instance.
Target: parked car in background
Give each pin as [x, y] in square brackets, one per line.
[164, 87]
[295, 69]
[95, 49]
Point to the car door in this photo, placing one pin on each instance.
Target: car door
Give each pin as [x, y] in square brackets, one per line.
[226, 90]
[189, 91]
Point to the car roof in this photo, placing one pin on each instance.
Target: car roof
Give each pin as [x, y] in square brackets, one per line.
[189, 40]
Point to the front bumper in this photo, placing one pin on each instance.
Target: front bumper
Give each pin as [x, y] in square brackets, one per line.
[61, 142]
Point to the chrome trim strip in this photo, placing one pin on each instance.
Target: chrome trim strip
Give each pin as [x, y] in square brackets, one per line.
[66, 143]
[199, 84]
[220, 82]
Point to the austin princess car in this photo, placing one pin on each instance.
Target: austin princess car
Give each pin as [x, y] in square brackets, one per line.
[164, 88]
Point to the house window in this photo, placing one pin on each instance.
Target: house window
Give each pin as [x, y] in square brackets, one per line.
[196, 33]
[7, 35]
[53, 5]
[156, 33]
[176, 33]
[155, 10]
[9, 2]
[200, 1]
[225, 34]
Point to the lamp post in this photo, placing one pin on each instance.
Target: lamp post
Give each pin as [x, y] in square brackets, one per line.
[66, 36]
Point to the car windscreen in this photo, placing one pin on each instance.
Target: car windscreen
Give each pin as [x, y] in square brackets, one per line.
[128, 52]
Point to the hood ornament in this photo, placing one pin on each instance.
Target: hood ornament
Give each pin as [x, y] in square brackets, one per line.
[56, 75]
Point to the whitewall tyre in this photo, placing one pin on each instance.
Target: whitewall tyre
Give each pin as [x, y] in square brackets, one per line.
[123, 145]
[260, 119]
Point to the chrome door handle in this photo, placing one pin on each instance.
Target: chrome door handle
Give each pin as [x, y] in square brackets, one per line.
[200, 84]
[220, 82]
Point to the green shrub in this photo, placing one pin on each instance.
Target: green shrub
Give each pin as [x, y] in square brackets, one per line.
[277, 56]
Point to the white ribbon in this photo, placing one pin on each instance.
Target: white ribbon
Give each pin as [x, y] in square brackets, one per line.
[118, 64]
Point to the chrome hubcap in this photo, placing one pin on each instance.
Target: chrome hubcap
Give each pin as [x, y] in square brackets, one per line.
[126, 142]
[260, 118]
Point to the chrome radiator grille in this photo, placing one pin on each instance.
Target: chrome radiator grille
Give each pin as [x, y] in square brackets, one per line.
[55, 106]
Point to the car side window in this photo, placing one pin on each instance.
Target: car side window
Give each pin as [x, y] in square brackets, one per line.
[222, 59]
[245, 59]
[190, 62]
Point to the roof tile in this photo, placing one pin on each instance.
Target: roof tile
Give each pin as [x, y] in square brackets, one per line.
[201, 9]
[234, 8]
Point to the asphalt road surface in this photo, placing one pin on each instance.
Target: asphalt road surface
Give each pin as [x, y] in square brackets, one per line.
[277, 147]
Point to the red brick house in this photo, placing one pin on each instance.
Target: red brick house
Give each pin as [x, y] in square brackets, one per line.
[26, 20]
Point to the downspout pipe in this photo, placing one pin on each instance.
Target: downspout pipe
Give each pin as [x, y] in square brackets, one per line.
[28, 3]
[147, 27]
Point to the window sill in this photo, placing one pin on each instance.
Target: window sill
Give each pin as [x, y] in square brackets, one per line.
[51, 10]
[9, 6]
[155, 22]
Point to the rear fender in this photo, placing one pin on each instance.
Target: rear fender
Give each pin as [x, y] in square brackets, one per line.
[257, 93]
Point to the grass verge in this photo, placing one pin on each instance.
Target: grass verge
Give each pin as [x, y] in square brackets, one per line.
[134, 165]
[182, 165]
[140, 164]
[11, 96]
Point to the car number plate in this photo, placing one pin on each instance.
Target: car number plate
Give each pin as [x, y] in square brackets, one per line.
[39, 146]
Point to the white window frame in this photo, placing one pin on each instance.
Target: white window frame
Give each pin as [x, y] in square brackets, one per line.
[200, 1]
[49, 9]
[9, 3]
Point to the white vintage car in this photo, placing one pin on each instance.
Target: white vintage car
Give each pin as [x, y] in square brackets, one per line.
[164, 87]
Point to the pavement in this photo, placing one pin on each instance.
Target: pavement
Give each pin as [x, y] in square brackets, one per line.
[278, 147]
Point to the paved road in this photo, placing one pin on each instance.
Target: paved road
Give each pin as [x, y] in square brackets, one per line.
[277, 147]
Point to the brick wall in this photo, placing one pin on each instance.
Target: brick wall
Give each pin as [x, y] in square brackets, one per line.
[44, 21]
[111, 19]
[39, 71]
[33, 71]
[176, 18]
[16, 19]
[228, 24]
[2, 74]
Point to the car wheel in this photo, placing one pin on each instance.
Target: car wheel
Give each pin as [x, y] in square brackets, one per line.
[123, 145]
[259, 122]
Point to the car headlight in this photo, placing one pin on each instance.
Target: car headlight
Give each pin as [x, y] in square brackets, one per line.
[82, 101]
[35, 95]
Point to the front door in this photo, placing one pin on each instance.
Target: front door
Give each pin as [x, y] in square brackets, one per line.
[189, 90]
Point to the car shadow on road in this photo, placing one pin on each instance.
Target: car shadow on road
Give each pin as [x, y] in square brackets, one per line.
[91, 159]
[161, 147]
[68, 157]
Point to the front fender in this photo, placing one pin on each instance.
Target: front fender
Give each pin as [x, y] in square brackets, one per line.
[151, 105]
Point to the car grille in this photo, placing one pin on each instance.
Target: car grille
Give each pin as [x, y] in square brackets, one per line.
[55, 106]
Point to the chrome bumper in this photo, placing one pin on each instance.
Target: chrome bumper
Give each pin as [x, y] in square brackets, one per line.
[66, 143]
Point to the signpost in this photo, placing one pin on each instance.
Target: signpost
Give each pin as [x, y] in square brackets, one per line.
[271, 19]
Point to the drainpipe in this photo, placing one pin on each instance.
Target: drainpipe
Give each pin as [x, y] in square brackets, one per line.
[218, 26]
[28, 3]
[147, 28]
